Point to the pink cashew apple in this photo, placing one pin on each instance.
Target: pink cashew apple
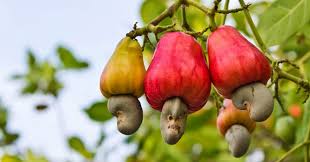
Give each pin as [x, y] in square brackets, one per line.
[177, 82]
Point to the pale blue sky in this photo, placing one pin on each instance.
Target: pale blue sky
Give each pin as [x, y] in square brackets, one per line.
[91, 29]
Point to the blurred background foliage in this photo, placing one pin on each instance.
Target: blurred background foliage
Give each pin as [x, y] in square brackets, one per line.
[285, 28]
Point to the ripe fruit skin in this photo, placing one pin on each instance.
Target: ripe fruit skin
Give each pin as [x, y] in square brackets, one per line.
[285, 129]
[230, 115]
[125, 71]
[178, 69]
[234, 61]
[177, 82]
[122, 83]
[236, 126]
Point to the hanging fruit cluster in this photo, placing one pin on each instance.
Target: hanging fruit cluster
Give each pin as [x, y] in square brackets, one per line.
[178, 80]
[178, 83]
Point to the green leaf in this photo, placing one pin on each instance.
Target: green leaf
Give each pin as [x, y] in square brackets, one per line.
[196, 18]
[31, 60]
[98, 111]
[10, 138]
[78, 145]
[151, 9]
[3, 116]
[101, 139]
[68, 60]
[30, 88]
[10, 158]
[282, 19]
[41, 106]
[240, 21]
[31, 157]
[306, 30]
[302, 128]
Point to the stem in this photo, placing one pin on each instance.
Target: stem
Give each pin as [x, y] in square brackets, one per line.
[199, 6]
[304, 58]
[184, 20]
[303, 83]
[306, 150]
[226, 11]
[225, 8]
[292, 150]
[152, 26]
[147, 29]
[252, 26]
[167, 13]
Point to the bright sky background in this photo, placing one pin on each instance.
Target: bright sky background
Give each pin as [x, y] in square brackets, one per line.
[91, 29]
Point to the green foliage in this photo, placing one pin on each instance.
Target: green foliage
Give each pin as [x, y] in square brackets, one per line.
[3, 116]
[31, 157]
[10, 158]
[282, 19]
[152, 8]
[240, 21]
[42, 76]
[284, 23]
[284, 128]
[6, 137]
[68, 60]
[196, 18]
[98, 111]
[76, 144]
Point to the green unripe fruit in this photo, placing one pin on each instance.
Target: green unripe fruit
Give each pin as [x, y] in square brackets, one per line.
[285, 129]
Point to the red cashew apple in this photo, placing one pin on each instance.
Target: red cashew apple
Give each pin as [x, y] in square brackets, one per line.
[239, 71]
[236, 126]
[177, 82]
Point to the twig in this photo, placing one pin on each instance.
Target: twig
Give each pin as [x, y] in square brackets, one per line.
[152, 26]
[226, 11]
[184, 20]
[225, 8]
[292, 150]
[306, 150]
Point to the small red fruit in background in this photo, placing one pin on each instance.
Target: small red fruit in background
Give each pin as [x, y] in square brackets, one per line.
[295, 111]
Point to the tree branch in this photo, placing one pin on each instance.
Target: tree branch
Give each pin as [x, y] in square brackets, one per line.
[152, 26]
[226, 11]
[292, 150]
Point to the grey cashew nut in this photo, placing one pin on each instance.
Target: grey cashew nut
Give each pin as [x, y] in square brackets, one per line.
[128, 112]
[173, 120]
[238, 138]
[255, 97]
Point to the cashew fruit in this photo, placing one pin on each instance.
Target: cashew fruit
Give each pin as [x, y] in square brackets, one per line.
[239, 71]
[122, 83]
[236, 126]
[177, 82]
